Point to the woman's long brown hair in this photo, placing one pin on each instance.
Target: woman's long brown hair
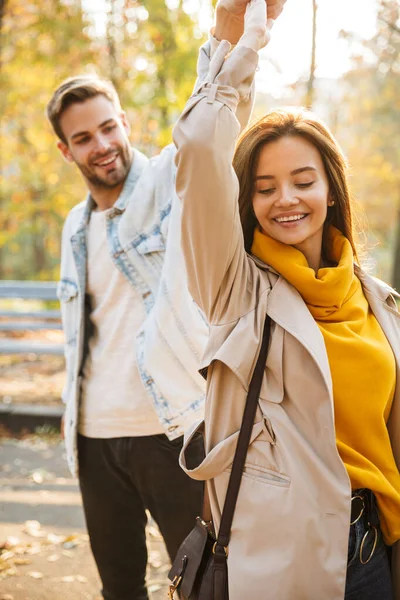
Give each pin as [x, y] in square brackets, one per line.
[297, 123]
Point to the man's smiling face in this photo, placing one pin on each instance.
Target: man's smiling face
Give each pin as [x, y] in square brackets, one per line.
[97, 142]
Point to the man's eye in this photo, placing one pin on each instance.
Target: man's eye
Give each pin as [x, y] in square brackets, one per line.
[109, 128]
[82, 140]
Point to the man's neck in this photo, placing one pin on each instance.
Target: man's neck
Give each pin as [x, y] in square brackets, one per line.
[105, 197]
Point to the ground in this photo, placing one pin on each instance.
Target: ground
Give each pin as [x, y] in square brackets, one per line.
[44, 548]
[30, 378]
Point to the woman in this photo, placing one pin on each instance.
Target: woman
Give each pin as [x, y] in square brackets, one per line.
[320, 496]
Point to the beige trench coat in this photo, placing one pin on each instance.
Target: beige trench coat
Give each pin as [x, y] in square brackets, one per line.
[291, 525]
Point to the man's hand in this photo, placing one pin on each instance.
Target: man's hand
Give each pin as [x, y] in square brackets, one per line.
[229, 17]
[237, 8]
[257, 27]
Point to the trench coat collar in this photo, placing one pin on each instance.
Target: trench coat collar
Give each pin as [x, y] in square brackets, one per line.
[294, 316]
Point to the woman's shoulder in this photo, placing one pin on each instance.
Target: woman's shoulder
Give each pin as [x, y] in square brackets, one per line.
[377, 286]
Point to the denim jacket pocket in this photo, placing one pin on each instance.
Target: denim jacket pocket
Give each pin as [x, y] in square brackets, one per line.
[151, 243]
[67, 292]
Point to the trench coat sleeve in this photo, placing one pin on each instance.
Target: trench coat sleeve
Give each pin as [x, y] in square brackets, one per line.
[206, 53]
[205, 137]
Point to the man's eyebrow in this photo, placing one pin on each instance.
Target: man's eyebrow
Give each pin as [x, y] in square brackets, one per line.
[80, 133]
[295, 172]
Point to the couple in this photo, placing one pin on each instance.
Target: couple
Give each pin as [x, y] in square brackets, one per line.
[264, 227]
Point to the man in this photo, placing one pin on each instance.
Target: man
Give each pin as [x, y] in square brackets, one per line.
[133, 336]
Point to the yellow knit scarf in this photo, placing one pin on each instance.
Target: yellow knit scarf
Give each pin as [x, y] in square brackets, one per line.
[361, 362]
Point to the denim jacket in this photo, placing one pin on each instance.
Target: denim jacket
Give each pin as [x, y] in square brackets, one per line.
[143, 232]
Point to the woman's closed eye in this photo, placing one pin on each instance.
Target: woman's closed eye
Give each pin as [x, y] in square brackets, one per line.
[267, 191]
[304, 185]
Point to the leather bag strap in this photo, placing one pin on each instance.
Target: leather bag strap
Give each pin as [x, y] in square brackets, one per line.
[239, 460]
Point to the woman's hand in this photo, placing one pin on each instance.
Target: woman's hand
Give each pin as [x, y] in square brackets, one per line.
[230, 15]
[257, 27]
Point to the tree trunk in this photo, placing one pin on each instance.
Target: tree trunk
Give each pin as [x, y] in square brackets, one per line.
[113, 65]
[311, 79]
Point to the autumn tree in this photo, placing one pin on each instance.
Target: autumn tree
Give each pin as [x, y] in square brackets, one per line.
[146, 47]
[369, 127]
[151, 52]
[42, 43]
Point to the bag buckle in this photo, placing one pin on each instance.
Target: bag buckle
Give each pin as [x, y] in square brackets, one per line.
[174, 586]
[224, 548]
[375, 530]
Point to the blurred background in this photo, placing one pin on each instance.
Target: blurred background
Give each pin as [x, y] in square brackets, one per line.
[341, 58]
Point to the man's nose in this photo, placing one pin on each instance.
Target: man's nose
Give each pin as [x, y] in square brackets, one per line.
[101, 143]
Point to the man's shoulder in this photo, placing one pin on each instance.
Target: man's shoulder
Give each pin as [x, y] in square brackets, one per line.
[165, 159]
[75, 215]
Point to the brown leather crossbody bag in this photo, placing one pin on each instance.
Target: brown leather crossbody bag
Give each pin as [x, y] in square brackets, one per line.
[200, 568]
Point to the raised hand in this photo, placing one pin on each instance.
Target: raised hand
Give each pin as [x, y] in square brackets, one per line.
[257, 27]
[237, 8]
[230, 15]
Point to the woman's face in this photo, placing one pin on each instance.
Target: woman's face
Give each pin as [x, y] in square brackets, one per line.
[291, 195]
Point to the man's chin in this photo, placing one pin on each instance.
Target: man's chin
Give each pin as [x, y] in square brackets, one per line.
[110, 182]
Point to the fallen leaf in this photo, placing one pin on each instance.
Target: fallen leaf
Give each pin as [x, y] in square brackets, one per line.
[54, 538]
[53, 557]
[33, 528]
[22, 561]
[35, 574]
[37, 477]
[7, 555]
[12, 541]
[67, 579]
[33, 549]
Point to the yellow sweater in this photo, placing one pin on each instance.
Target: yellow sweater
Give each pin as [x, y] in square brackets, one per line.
[361, 362]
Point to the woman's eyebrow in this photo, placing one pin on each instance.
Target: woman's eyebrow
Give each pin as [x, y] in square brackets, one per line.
[295, 172]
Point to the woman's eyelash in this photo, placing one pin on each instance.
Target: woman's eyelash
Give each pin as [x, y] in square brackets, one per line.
[304, 185]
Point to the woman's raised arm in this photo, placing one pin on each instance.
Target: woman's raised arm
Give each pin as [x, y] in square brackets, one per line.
[205, 137]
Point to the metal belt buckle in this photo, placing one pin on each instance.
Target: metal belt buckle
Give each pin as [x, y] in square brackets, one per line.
[358, 497]
[362, 561]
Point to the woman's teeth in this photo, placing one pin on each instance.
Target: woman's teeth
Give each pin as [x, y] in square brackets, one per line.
[292, 218]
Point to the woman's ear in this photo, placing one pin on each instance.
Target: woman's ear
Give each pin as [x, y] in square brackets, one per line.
[331, 200]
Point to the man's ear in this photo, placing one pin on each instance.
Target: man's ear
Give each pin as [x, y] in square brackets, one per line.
[65, 151]
[125, 122]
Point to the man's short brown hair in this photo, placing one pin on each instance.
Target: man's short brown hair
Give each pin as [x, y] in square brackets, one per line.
[77, 90]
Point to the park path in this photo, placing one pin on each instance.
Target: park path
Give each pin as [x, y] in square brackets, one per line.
[44, 549]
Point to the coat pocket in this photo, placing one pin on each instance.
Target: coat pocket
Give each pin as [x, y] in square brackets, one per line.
[264, 475]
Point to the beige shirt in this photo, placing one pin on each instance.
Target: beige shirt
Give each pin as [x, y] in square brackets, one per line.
[114, 402]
